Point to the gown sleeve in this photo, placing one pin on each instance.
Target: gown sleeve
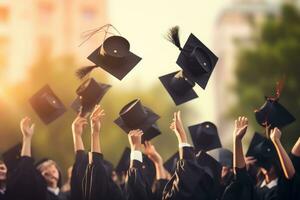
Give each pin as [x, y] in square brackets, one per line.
[25, 182]
[186, 180]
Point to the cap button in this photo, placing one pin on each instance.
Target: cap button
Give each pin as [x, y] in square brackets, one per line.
[115, 51]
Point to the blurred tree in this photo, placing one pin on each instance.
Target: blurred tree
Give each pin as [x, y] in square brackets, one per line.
[274, 55]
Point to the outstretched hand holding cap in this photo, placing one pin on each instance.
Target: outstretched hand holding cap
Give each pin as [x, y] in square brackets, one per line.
[135, 139]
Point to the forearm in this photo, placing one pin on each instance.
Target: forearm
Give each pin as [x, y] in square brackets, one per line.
[26, 147]
[238, 156]
[78, 143]
[160, 171]
[296, 148]
[95, 143]
[286, 163]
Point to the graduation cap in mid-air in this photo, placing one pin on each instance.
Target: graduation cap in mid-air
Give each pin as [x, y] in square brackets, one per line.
[47, 105]
[196, 60]
[136, 116]
[179, 87]
[205, 136]
[222, 155]
[11, 156]
[90, 93]
[272, 114]
[113, 55]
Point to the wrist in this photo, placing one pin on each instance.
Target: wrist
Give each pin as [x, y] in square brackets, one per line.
[95, 132]
[27, 138]
[136, 147]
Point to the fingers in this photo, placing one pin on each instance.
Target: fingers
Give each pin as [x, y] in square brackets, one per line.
[241, 121]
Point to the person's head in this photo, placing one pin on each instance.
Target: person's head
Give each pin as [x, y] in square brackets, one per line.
[50, 172]
[3, 171]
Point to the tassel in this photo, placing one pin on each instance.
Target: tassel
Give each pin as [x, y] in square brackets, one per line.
[173, 36]
[279, 87]
[84, 71]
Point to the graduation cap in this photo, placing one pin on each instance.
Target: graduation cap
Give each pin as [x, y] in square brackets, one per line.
[47, 105]
[196, 60]
[222, 155]
[205, 136]
[11, 156]
[211, 166]
[113, 55]
[273, 114]
[90, 93]
[136, 116]
[263, 150]
[179, 87]
[170, 164]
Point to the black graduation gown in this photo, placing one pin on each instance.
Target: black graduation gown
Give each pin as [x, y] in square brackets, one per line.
[158, 188]
[2, 196]
[296, 162]
[91, 181]
[189, 181]
[136, 185]
[25, 182]
[60, 196]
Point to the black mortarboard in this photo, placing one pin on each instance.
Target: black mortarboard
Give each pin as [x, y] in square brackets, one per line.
[212, 167]
[151, 133]
[11, 156]
[205, 136]
[170, 164]
[179, 87]
[124, 161]
[222, 155]
[136, 116]
[90, 93]
[263, 150]
[196, 60]
[274, 114]
[115, 57]
[47, 105]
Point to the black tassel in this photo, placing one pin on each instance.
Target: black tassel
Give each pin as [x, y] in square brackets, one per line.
[173, 36]
[82, 72]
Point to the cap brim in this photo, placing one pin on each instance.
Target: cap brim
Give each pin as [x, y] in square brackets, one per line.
[223, 156]
[170, 164]
[39, 105]
[182, 61]
[151, 133]
[178, 99]
[119, 71]
[150, 120]
[256, 139]
[194, 135]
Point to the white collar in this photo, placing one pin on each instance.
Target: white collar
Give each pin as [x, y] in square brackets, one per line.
[270, 185]
[53, 190]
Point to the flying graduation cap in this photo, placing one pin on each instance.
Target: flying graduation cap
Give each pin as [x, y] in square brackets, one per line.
[47, 105]
[196, 60]
[205, 136]
[179, 87]
[272, 113]
[136, 116]
[113, 55]
[90, 93]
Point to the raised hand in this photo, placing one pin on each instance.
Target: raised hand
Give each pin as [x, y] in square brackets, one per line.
[135, 139]
[275, 134]
[27, 127]
[178, 129]
[78, 125]
[96, 118]
[152, 154]
[240, 129]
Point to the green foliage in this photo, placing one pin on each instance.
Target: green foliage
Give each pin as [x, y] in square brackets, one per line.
[275, 55]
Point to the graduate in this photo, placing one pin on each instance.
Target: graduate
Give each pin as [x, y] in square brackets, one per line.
[278, 177]
[3, 174]
[29, 181]
[162, 175]
[90, 179]
[190, 180]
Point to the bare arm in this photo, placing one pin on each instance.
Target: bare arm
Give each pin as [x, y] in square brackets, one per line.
[241, 125]
[77, 130]
[27, 129]
[296, 148]
[96, 118]
[286, 163]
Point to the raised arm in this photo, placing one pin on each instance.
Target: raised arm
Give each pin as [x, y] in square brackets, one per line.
[27, 129]
[77, 128]
[296, 148]
[96, 118]
[285, 161]
[240, 129]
